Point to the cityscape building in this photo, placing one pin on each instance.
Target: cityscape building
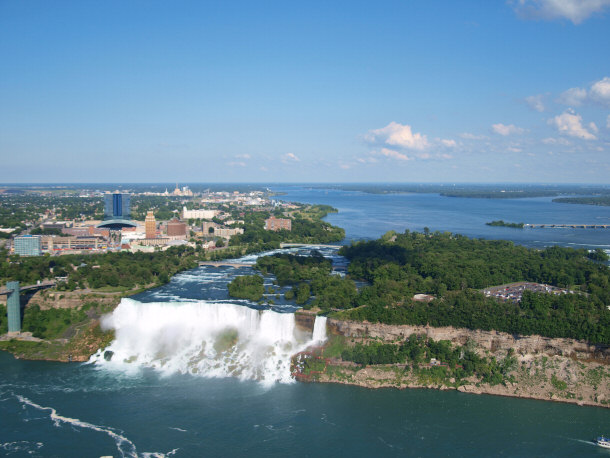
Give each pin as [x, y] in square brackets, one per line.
[27, 245]
[198, 214]
[211, 229]
[276, 224]
[150, 224]
[176, 228]
[116, 217]
[57, 245]
[185, 191]
[116, 206]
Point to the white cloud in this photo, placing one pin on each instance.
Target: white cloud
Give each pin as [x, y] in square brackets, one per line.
[236, 164]
[398, 135]
[449, 143]
[535, 102]
[514, 149]
[394, 154]
[574, 10]
[290, 157]
[367, 160]
[469, 136]
[608, 122]
[506, 129]
[570, 123]
[556, 141]
[600, 91]
[573, 97]
[243, 156]
[446, 156]
[593, 127]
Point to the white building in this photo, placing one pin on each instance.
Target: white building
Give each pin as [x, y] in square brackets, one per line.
[198, 214]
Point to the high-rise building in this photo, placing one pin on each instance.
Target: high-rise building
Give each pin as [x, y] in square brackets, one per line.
[117, 206]
[27, 245]
[150, 225]
[116, 217]
[176, 228]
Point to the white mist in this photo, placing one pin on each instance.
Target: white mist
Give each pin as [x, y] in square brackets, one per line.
[208, 339]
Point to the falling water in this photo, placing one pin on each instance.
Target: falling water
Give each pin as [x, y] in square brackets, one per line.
[208, 339]
[319, 330]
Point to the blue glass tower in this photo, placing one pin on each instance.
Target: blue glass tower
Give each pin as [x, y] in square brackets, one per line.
[116, 212]
[116, 217]
[117, 206]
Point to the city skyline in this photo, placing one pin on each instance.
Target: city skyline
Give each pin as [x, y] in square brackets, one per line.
[508, 91]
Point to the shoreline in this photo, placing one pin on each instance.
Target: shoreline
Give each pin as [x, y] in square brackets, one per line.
[558, 370]
[486, 390]
[478, 392]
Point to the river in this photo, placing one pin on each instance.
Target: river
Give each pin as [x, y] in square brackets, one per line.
[209, 376]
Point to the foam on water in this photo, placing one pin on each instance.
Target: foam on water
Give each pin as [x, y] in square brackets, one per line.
[124, 445]
[211, 339]
[21, 447]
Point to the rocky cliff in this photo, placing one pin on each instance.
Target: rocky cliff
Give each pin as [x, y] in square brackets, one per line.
[488, 340]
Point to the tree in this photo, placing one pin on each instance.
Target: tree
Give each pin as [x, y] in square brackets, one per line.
[247, 287]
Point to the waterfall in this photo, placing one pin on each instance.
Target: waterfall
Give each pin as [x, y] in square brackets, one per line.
[205, 338]
[319, 330]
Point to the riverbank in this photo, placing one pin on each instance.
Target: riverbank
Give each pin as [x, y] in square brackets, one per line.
[75, 340]
[560, 370]
[537, 377]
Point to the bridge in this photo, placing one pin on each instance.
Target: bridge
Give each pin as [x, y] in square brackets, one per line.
[570, 226]
[41, 285]
[223, 264]
[13, 301]
[312, 245]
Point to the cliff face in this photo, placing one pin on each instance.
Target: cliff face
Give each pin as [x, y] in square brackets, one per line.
[305, 319]
[488, 340]
[563, 370]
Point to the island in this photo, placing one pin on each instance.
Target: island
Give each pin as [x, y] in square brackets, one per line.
[426, 315]
[504, 224]
[603, 201]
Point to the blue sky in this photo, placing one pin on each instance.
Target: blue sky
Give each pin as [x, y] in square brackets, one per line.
[404, 91]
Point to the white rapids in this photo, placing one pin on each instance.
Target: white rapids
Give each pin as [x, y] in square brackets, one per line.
[207, 339]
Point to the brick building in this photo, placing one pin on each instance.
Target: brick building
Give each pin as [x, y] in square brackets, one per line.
[276, 224]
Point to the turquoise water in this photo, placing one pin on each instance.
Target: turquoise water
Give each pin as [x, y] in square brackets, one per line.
[224, 417]
[76, 410]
